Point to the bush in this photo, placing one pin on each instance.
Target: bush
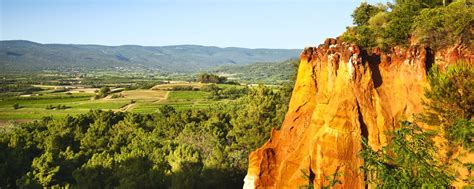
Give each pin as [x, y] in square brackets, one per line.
[408, 161]
[364, 12]
[182, 88]
[16, 106]
[210, 78]
[378, 27]
[49, 107]
[57, 107]
[450, 103]
[210, 88]
[116, 95]
[444, 26]
[103, 92]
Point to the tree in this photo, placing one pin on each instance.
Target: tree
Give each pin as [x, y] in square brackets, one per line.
[257, 115]
[408, 161]
[103, 92]
[444, 26]
[16, 106]
[411, 158]
[450, 103]
[186, 165]
[210, 78]
[364, 12]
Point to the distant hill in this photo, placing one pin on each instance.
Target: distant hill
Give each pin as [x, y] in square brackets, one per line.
[21, 55]
[266, 72]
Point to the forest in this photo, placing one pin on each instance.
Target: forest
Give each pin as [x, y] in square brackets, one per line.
[205, 148]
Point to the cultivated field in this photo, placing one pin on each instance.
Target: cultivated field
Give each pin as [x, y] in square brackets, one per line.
[76, 100]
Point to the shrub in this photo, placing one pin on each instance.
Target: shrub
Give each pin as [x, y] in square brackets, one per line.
[450, 103]
[408, 161]
[116, 95]
[210, 78]
[444, 26]
[364, 12]
[16, 106]
[210, 88]
[182, 88]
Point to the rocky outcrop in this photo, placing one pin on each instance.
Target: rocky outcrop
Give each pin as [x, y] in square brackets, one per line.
[342, 93]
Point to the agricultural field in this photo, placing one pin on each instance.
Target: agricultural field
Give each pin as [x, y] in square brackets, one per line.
[77, 100]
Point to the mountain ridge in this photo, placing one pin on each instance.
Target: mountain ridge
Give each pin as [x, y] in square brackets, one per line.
[23, 55]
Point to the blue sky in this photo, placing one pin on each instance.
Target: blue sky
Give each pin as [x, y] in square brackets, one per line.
[224, 23]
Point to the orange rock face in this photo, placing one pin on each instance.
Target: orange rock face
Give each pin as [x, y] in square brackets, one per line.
[342, 93]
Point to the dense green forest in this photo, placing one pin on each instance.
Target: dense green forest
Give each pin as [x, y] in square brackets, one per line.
[187, 148]
[170, 149]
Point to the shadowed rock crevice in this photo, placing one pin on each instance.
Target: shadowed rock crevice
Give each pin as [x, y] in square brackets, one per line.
[374, 61]
[363, 127]
[430, 59]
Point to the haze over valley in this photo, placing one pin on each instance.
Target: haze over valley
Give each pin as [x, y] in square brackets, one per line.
[30, 56]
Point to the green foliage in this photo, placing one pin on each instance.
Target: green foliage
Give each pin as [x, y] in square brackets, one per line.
[210, 78]
[364, 12]
[16, 106]
[103, 92]
[266, 73]
[408, 161]
[143, 85]
[217, 93]
[187, 164]
[371, 21]
[17, 87]
[411, 158]
[116, 96]
[450, 103]
[443, 26]
[259, 112]
[332, 179]
[399, 26]
[182, 88]
[168, 149]
[396, 24]
[363, 36]
[57, 107]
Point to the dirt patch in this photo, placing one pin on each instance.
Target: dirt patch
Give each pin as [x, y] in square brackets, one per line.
[171, 85]
[4, 123]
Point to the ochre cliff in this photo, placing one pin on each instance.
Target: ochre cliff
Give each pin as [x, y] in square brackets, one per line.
[342, 93]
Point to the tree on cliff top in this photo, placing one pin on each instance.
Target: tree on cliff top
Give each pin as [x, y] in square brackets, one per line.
[426, 21]
[443, 26]
[364, 12]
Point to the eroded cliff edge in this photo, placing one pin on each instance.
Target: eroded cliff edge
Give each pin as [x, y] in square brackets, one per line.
[343, 93]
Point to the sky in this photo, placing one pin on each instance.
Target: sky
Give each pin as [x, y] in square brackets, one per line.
[224, 23]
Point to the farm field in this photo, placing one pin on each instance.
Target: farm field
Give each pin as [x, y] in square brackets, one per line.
[81, 100]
